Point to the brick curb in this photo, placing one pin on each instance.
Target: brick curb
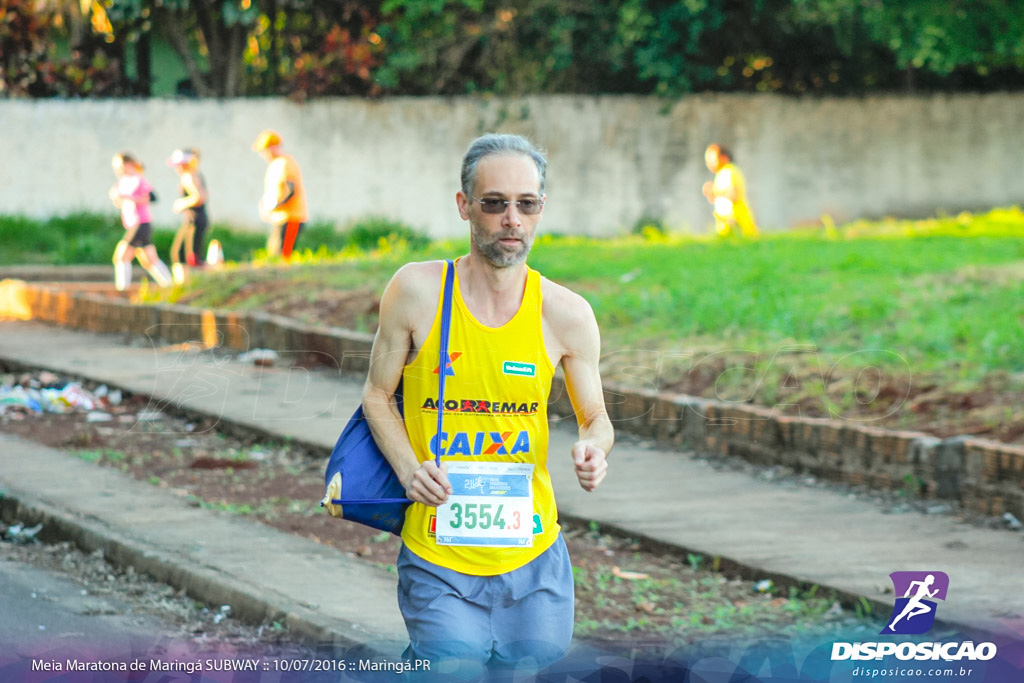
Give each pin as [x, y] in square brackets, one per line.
[984, 476]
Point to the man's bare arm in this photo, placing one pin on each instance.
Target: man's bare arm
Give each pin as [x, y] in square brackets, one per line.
[423, 482]
[580, 341]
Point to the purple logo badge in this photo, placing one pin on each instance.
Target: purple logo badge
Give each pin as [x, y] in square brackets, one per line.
[914, 612]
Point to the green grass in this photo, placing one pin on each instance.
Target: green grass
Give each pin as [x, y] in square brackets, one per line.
[89, 239]
[926, 292]
[73, 239]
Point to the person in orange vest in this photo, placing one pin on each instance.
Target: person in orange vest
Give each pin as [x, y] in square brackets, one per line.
[283, 204]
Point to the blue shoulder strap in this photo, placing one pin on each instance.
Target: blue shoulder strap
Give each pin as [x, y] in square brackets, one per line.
[446, 323]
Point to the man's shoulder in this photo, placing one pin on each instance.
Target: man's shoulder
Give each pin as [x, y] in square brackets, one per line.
[731, 170]
[419, 281]
[420, 272]
[277, 166]
[561, 305]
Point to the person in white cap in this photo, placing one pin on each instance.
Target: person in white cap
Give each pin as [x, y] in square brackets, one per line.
[187, 248]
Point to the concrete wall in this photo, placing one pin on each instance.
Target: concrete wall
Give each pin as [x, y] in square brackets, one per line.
[613, 159]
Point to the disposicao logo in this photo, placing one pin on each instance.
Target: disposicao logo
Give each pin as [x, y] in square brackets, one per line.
[914, 613]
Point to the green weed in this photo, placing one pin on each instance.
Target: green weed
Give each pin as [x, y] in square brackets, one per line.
[98, 454]
[694, 561]
[90, 455]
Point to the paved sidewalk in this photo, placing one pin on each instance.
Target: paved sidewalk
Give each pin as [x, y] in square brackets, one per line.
[784, 530]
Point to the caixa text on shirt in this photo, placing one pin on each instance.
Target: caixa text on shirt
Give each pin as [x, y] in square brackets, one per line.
[481, 443]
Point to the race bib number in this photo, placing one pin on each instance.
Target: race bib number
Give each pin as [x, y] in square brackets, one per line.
[491, 505]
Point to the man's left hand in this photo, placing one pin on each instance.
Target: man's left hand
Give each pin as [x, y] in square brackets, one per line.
[591, 464]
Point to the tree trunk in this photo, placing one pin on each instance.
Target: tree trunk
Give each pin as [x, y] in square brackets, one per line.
[909, 78]
[273, 54]
[144, 65]
[210, 28]
[177, 35]
[233, 61]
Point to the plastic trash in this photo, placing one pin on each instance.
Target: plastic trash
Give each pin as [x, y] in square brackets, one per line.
[1012, 522]
[20, 535]
[45, 392]
[19, 399]
[628, 575]
[259, 357]
[53, 401]
[48, 379]
[77, 397]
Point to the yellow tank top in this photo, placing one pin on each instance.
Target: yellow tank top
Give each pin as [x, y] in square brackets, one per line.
[496, 395]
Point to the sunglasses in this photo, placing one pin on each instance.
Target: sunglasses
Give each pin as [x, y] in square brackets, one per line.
[495, 205]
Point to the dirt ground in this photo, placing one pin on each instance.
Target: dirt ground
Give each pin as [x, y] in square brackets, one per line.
[626, 591]
[789, 380]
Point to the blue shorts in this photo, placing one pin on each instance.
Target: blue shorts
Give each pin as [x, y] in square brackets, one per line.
[521, 619]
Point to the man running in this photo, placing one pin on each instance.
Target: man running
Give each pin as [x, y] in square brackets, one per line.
[484, 574]
[283, 204]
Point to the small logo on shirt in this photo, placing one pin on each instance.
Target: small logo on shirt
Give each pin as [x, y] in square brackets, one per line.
[511, 367]
[449, 371]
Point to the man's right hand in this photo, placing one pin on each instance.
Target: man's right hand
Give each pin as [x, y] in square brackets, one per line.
[429, 484]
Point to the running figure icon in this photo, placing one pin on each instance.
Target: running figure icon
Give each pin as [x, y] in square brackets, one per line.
[919, 591]
[914, 606]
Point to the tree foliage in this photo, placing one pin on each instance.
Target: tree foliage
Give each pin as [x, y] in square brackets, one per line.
[327, 49]
[315, 48]
[23, 48]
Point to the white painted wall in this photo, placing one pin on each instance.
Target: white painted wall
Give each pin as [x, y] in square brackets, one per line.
[612, 159]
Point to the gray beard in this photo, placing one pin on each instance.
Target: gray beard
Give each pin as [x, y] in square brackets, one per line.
[494, 253]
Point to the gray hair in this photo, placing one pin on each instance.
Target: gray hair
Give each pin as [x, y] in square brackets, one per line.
[499, 143]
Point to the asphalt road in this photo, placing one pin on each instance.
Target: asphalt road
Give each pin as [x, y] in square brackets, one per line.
[46, 614]
[52, 621]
